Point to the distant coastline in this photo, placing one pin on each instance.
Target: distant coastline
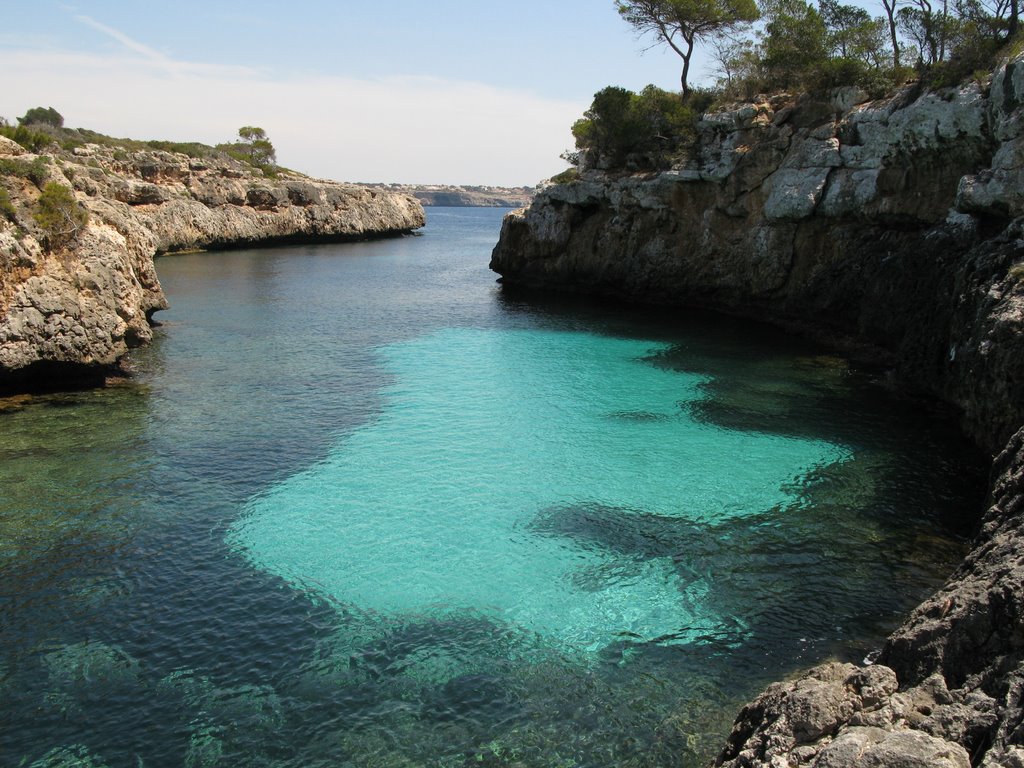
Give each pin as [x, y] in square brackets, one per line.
[464, 196]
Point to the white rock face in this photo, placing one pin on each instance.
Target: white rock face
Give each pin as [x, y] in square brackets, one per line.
[10, 148]
[794, 193]
[1000, 188]
[878, 748]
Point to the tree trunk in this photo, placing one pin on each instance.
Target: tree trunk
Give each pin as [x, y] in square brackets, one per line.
[942, 30]
[890, 12]
[686, 68]
[1014, 18]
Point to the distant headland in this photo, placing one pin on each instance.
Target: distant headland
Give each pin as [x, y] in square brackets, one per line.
[464, 196]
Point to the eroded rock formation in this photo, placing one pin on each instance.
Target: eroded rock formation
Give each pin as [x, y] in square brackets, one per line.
[895, 227]
[71, 313]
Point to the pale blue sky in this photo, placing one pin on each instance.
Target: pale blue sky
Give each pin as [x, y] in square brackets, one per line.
[449, 91]
[558, 48]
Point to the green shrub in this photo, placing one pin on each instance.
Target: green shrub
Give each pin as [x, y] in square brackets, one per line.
[190, 148]
[43, 116]
[645, 130]
[35, 171]
[567, 176]
[975, 52]
[6, 206]
[232, 151]
[701, 99]
[835, 73]
[32, 140]
[59, 216]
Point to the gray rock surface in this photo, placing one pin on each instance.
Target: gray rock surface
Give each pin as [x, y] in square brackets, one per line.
[73, 313]
[895, 228]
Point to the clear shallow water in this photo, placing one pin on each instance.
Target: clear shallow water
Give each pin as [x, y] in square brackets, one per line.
[449, 500]
[362, 507]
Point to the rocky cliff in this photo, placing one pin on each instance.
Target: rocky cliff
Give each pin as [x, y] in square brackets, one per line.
[895, 228]
[69, 314]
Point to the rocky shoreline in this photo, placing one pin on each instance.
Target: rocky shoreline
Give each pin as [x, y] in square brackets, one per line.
[895, 227]
[69, 315]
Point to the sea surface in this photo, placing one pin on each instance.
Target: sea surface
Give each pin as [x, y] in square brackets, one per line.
[362, 506]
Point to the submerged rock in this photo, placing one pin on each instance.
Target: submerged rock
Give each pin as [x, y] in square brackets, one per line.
[69, 315]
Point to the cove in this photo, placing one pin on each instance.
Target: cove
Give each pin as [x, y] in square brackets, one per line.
[363, 506]
[449, 500]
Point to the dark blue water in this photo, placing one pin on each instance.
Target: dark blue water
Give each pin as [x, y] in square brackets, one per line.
[362, 507]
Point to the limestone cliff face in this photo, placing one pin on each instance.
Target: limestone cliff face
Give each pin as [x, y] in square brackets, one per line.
[73, 313]
[894, 226]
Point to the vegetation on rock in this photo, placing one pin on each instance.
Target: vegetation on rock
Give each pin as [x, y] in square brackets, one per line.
[42, 130]
[33, 170]
[800, 46]
[644, 131]
[42, 116]
[6, 206]
[253, 147]
[33, 140]
[59, 216]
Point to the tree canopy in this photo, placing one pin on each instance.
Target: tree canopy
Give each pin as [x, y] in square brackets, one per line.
[680, 24]
[44, 115]
[255, 146]
[852, 33]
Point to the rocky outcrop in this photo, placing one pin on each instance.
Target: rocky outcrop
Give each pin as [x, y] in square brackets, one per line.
[948, 687]
[69, 315]
[893, 227]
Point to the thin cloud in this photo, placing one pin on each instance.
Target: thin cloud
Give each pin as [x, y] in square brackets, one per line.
[130, 43]
[153, 57]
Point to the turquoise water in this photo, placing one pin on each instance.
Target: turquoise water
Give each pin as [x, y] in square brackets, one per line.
[433, 508]
[361, 506]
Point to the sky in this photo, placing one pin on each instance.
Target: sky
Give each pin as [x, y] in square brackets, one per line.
[407, 91]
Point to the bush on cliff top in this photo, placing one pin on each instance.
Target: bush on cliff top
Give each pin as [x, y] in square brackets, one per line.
[42, 116]
[253, 148]
[644, 131]
[32, 140]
